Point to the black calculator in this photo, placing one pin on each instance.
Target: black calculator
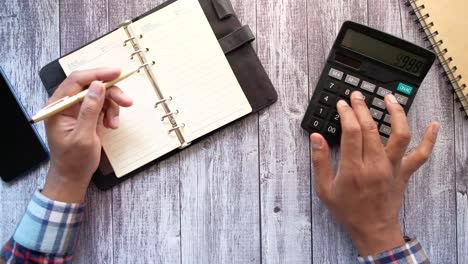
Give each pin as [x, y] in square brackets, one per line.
[373, 62]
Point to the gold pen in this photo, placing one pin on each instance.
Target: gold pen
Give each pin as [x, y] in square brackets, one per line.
[70, 101]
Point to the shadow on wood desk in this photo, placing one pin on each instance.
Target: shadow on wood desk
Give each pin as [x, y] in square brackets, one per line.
[244, 195]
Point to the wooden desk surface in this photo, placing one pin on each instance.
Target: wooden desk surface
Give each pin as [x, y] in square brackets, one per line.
[244, 195]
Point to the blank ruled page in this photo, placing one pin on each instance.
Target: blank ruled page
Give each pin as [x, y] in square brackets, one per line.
[192, 68]
[141, 137]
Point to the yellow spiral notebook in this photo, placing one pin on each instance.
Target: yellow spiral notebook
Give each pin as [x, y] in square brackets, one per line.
[446, 28]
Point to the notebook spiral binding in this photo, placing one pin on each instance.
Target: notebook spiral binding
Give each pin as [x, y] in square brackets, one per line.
[139, 52]
[449, 71]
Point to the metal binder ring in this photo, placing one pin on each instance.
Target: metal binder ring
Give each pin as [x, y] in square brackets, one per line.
[417, 9]
[432, 35]
[168, 115]
[409, 2]
[452, 70]
[162, 101]
[437, 44]
[446, 62]
[461, 88]
[128, 40]
[176, 128]
[455, 80]
[418, 20]
[142, 66]
[428, 26]
[138, 51]
[442, 53]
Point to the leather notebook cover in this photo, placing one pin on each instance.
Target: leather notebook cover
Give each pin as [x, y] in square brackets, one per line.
[235, 41]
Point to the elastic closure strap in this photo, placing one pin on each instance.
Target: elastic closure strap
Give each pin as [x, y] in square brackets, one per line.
[223, 8]
[236, 39]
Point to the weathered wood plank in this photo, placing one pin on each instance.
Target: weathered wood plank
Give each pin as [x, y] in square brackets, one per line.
[77, 30]
[146, 208]
[330, 243]
[220, 189]
[284, 147]
[430, 200]
[30, 38]
[461, 156]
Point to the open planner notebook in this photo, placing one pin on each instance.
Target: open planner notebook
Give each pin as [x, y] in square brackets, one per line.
[446, 29]
[185, 89]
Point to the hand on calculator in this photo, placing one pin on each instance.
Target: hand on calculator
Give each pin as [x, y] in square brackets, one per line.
[366, 194]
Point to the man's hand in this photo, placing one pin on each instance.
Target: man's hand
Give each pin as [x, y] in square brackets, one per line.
[367, 192]
[74, 135]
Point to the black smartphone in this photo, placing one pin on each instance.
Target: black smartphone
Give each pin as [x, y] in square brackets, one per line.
[21, 146]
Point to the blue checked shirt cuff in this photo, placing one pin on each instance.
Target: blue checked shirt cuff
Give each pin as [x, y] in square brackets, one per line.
[49, 226]
[410, 253]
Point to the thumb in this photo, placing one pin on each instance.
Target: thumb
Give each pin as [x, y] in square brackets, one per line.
[91, 108]
[322, 166]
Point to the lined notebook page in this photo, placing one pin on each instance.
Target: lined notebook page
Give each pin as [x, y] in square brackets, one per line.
[141, 137]
[192, 68]
[449, 21]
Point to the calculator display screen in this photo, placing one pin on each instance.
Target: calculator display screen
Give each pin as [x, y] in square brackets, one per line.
[384, 52]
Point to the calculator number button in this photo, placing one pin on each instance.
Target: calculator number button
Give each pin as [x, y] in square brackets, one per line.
[328, 99]
[316, 123]
[332, 87]
[379, 103]
[346, 92]
[332, 130]
[336, 74]
[387, 119]
[403, 100]
[321, 112]
[354, 81]
[386, 130]
[376, 114]
[368, 86]
[335, 117]
[383, 92]
[384, 140]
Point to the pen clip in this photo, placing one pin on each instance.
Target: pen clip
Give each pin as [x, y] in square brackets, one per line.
[55, 103]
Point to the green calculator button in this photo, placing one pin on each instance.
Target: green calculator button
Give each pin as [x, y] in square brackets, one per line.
[404, 88]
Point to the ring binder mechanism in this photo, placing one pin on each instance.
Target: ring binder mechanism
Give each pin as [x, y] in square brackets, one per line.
[449, 71]
[139, 52]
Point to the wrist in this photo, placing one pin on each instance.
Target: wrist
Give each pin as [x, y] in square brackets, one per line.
[369, 243]
[61, 187]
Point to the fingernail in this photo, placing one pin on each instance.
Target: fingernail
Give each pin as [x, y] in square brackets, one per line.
[343, 103]
[96, 89]
[317, 143]
[358, 95]
[392, 99]
[116, 121]
[435, 131]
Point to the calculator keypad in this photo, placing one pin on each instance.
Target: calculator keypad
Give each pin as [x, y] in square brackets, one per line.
[339, 86]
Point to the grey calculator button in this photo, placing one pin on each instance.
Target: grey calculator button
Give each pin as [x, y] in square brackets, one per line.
[368, 86]
[403, 100]
[384, 140]
[387, 119]
[379, 103]
[386, 130]
[354, 81]
[376, 114]
[334, 73]
[383, 92]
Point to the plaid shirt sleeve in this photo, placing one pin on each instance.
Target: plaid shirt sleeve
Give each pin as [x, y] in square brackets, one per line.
[410, 253]
[46, 234]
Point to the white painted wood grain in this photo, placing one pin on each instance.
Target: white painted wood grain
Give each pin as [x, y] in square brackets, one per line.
[220, 189]
[330, 243]
[77, 30]
[430, 200]
[29, 39]
[284, 147]
[146, 208]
